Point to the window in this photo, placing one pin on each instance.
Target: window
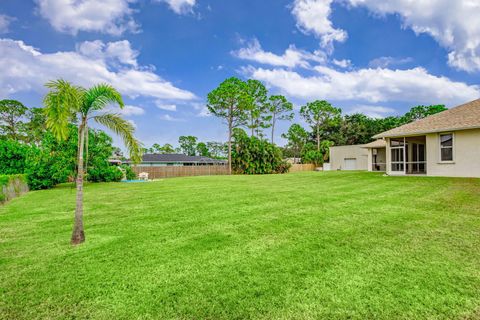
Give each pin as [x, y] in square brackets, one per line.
[446, 147]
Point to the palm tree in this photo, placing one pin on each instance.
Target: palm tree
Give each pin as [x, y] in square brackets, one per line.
[65, 102]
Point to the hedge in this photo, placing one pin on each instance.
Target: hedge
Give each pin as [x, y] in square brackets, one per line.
[12, 186]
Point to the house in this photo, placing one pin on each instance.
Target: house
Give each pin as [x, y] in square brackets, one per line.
[353, 157]
[443, 144]
[161, 160]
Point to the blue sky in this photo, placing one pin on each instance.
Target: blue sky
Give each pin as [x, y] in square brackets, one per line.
[373, 56]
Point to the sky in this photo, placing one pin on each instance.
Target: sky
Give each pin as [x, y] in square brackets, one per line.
[378, 57]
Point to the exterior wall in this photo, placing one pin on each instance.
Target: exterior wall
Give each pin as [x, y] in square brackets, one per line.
[381, 158]
[466, 155]
[340, 153]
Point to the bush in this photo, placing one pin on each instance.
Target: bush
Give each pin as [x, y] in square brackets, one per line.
[105, 174]
[313, 156]
[12, 157]
[39, 170]
[251, 155]
[129, 173]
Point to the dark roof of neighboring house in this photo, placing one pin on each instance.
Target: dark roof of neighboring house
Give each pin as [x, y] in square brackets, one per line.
[182, 158]
[463, 117]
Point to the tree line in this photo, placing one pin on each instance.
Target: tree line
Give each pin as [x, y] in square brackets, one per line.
[248, 105]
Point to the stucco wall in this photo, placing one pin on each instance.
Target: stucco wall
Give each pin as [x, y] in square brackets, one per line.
[340, 153]
[466, 155]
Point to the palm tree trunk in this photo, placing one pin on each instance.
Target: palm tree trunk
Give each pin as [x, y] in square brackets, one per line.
[86, 151]
[78, 235]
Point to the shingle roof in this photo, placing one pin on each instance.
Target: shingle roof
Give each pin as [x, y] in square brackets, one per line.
[465, 116]
[380, 143]
[153, 157]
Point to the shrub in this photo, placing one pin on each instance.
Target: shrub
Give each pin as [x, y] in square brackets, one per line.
[129, 173]
[251, 155]
[39, 170]
[12, 157]
[105, 174]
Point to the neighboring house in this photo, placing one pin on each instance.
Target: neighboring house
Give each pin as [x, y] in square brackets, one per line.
[443, 144]
[353, 157]
[161, 160]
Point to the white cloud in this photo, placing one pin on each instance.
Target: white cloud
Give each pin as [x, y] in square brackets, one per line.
[133, 123]
[384, 62]
[292, 57]
[117, 52]
[168, 107]
[180, 6]
[371, 85]
[71, 16]
[5, 23]
[312, 16]
[342, 63]
[130, 111]
[26, 69]
[204, 113]
[167, 117]
[453, 23]
[372, 111]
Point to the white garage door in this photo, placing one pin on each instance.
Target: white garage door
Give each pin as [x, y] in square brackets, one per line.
[350, 164]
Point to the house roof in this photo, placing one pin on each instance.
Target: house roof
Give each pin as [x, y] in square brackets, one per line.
[380, 143]
[465, 116]
[178, 158]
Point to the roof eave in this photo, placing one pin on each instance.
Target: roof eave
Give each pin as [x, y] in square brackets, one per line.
[413, 134]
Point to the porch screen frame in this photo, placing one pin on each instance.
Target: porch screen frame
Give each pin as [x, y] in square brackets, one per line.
[403, 162]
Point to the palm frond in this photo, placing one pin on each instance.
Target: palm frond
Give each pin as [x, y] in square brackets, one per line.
[61, 103]
[125, 130]
[99, 96]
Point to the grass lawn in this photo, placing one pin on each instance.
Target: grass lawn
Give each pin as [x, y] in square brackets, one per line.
[297, 246]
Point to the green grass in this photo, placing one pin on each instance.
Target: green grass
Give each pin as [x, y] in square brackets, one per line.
[297, 246]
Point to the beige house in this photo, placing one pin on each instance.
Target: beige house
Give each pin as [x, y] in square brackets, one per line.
[353, 157]
[444, 144]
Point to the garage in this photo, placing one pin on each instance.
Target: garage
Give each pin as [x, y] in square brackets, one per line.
[350, 164]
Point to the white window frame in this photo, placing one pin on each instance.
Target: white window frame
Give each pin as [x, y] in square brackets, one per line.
[440, 147]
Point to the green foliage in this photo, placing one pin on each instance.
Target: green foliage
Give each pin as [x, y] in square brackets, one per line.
[12, 157]
[257, 107]
[202, 149]
[105, 174]
[279, 108]
[36, 125]
[320, 115]
[11, 114]
[54, 161]
[129, 173]
[297, 138]
[65, 102]
[420, 112]
[217, 150]
[188, 145]
[229, 101]
[251, 155]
